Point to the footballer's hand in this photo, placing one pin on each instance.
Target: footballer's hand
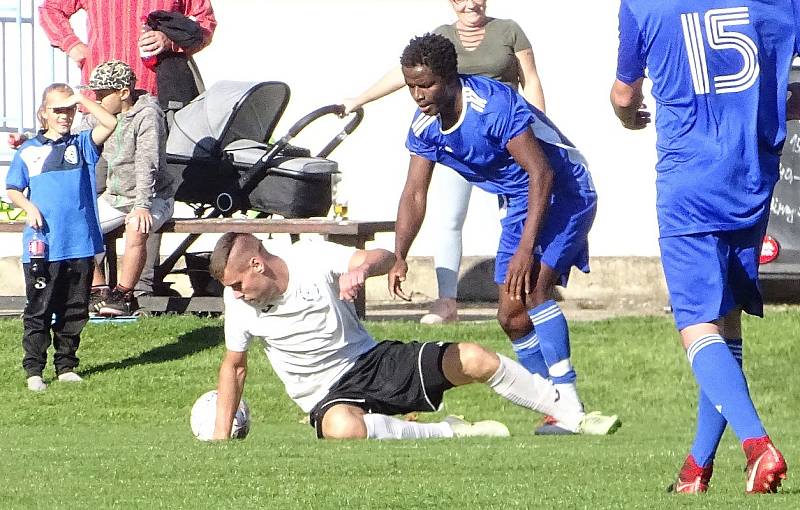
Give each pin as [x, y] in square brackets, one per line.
[219, 436]
[34, 217]
[519, 281]
[351, 282]
[397, 275]
[140, 219]
[639, 120]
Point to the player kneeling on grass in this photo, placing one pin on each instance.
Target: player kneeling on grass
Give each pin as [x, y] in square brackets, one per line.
[300, 303]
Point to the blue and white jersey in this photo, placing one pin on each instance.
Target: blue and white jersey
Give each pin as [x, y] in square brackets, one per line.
[719, 70]
[60, 178]
[492, 114]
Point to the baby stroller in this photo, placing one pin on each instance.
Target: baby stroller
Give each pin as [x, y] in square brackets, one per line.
[220, 154]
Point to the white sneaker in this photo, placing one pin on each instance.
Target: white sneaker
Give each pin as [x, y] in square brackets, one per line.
[69, 377]
[485, 428]
[35, 383]
[596, 424]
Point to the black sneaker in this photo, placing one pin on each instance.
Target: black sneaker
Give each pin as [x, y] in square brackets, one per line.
[96, 299]
[118, 303]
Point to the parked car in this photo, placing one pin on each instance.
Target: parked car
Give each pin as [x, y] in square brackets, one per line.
[780, 251]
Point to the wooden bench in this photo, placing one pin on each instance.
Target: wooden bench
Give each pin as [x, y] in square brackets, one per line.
[353, 233]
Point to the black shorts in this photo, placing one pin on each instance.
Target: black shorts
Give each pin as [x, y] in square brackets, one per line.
[392, 378]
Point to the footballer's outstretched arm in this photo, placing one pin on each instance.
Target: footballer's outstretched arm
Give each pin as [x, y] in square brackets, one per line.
[410, 214]
[232, 374]
[362, 265]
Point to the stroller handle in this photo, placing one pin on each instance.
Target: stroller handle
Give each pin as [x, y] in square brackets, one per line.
[358, 116]
[255, 174]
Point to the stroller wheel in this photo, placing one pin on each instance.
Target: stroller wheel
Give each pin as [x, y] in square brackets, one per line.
[224, 202]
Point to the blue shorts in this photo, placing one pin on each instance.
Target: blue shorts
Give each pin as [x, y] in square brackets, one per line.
[563, 240]
[711, 273]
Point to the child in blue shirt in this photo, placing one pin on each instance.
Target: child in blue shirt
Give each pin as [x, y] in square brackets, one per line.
[52, 177]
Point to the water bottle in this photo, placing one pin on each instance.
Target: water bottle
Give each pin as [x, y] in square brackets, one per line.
[37, 251]
[148, 59]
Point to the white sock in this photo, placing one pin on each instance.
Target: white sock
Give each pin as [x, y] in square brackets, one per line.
[569, 395]
[380, 426]
[513, 382]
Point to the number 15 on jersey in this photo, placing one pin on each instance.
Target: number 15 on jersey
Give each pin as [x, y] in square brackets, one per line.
[721, 35]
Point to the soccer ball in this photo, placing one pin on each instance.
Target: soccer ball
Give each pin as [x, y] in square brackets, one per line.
[204, 414]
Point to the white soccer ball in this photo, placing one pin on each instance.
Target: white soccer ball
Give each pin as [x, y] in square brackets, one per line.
[204, 415]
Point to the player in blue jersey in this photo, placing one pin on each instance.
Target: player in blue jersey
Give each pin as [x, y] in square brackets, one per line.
[719, 78]
[493, 138]
[52, 177]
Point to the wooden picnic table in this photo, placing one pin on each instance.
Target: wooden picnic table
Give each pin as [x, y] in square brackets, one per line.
[353, 233]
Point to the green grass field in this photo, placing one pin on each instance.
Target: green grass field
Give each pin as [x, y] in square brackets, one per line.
[121, 438]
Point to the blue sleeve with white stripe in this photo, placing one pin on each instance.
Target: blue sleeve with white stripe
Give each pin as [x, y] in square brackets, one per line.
[630, 56]
[519, 117]
[418, 146]
[17, 177]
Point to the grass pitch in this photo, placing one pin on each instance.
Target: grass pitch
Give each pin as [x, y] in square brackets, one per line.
[121, 438]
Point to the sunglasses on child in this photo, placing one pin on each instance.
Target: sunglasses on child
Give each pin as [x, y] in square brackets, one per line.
[58, 110]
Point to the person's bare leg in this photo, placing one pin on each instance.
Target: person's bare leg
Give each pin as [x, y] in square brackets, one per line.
[99, 277]
[349, 422]
[134, 258]
[464, 363]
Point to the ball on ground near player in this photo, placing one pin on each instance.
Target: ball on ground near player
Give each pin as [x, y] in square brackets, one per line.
[204, 415]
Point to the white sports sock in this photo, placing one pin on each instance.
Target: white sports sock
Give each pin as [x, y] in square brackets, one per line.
[380, 426]
[513, 382]
[569, 395]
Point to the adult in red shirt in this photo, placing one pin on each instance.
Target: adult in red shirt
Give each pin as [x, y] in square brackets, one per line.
[114, 30]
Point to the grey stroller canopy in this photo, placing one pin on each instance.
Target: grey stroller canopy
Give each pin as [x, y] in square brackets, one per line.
[227, 111]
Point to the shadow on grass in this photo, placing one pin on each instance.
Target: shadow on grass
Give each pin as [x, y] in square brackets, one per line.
[187, 344]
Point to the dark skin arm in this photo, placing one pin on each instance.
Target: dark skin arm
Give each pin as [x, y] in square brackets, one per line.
[410, 214]
[628, 106]
[527, 152]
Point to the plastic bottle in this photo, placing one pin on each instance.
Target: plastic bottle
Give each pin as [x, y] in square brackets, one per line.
[37, 251]
[148, 59]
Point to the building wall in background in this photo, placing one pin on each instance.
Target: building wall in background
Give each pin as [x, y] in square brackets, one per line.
[328, 50]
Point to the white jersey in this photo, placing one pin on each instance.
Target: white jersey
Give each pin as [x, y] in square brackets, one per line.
[311, 337]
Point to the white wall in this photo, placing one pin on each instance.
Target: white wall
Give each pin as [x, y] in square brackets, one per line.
[327, 50]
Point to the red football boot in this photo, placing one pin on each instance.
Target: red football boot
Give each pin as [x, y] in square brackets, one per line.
[692, 479]
[765, 466]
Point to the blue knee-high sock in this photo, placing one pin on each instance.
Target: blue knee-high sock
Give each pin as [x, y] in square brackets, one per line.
[710, 423]
[722, 381]
[529, 354]
[551, 328]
